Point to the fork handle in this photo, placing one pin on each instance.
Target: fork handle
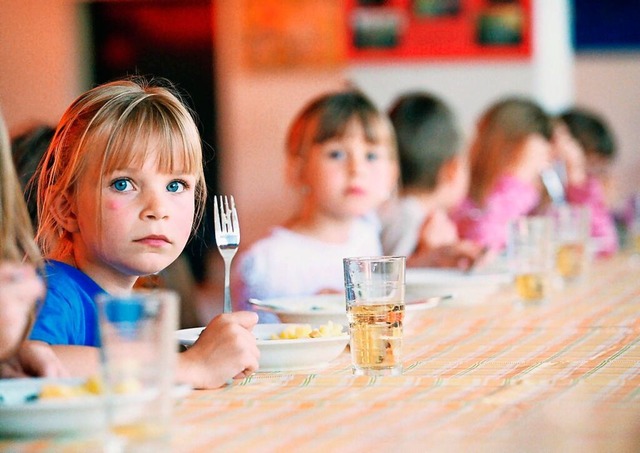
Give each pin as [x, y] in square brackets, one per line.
[227, 300]
[226, 308]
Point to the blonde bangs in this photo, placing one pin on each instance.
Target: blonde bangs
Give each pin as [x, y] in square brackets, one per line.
[152, 129]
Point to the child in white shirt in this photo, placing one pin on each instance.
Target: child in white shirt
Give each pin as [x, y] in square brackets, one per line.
[341, 158]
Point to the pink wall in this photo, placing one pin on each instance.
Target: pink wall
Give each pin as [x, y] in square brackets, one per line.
[40, 57]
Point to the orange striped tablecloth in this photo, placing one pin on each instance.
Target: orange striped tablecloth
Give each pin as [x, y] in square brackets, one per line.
[488, 375]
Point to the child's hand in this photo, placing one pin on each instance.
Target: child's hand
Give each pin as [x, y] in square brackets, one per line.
[461, 255]
[225, 349]
[34, 358]
[437, 230]
[20, 288]
[568, 150]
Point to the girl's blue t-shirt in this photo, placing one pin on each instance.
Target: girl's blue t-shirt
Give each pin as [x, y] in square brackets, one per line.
[69, 315]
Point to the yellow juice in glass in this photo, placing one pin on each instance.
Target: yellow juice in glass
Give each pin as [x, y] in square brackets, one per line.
[570, 260]
[530, 286]
[376, 337]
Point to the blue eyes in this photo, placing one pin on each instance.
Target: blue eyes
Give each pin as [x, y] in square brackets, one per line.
[125, 185]
[175, 186]
[337, 154]
[371, 156]
[122, 185]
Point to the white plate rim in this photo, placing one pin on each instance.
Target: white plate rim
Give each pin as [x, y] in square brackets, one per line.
[23, 414]
[185, 336]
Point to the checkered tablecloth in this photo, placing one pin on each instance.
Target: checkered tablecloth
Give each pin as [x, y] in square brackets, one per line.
[483, 375]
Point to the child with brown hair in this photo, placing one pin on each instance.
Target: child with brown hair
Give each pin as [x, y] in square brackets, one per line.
[584, 145]
[511, 147]
[341, 158]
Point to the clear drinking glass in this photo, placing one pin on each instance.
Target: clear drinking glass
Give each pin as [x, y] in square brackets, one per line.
[571, 236]
[138, 356]
[529, 251]
[375, 288]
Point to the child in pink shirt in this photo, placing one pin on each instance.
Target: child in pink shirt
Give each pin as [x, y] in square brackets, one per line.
[511, 147]
[585, 145]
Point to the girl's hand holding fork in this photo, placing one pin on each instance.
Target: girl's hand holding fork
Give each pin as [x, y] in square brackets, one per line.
[225, 349]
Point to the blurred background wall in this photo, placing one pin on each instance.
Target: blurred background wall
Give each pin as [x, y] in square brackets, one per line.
[47, 58]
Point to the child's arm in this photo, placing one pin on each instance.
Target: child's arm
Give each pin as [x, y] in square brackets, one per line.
[80, 361]
[34, 358]
[461, 255]
[225, 349]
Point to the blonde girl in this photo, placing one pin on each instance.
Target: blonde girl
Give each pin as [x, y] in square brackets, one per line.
[342, 161]
[120, 190]
[21, 288]
[511, 147]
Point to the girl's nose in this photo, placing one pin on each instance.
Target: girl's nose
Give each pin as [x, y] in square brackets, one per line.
[154, 206]
[355, 163]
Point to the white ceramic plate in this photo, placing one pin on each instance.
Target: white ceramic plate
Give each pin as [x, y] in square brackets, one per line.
[462, 286]
[21, 415]
[318, 309]
[284, 355]
[322, 308]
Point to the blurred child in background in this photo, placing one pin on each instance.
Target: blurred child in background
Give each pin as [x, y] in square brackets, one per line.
[27, 149]
[21, 288]
[585, 146]
[435, 178]
[510, 149]
[341, 159]
[120, 190]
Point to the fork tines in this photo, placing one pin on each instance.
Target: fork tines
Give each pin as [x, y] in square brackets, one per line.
[225, 215]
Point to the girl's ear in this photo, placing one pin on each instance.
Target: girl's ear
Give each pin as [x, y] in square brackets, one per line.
[64, 212]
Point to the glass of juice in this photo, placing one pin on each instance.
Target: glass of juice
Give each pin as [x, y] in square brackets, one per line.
[570, 236]
[375, 288]
[530, 251]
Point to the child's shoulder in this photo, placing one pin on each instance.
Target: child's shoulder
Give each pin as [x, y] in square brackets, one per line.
[67, 280]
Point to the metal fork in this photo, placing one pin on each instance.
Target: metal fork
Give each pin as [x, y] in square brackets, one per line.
[227, 228]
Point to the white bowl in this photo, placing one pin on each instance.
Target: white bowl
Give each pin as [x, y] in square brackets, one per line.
[284, 355]
[23, 415]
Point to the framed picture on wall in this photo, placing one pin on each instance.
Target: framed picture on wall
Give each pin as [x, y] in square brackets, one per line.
[501, 23]
[438, 29]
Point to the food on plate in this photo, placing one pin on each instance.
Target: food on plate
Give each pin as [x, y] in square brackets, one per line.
[92, 386]
[298, 331]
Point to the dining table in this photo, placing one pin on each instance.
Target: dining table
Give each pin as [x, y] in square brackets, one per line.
[490, 374]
